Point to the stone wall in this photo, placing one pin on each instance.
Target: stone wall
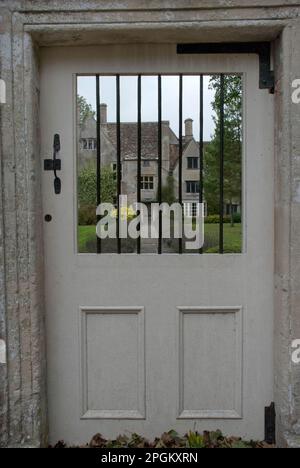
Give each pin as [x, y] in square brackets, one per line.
[287, 206]
[26, 25]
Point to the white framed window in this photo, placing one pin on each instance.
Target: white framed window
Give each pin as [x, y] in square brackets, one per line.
[192, 186]
[84, 143]
[114, 167]
[92, 144]
[89, 144]
[231, 209]
[147, 183]
[191, 209]
[193, 163]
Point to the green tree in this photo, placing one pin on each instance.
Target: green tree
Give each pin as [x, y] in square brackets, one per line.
[168, 191]
[232, 145]
[85, 109]
[87, 191]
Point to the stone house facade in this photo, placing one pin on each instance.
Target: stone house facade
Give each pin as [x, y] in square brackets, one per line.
[87, 153]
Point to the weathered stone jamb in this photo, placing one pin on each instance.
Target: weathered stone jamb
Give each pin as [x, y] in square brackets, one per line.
[22, 224]
[11, 385]
[35, 240]
[3, 335]
[24, 308]
[23, 381]
[295, 230]
[283, 175]
[29, 428]
[287, 227]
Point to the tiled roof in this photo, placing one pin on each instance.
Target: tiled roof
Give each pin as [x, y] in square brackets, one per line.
[149, 140]
[129, 139]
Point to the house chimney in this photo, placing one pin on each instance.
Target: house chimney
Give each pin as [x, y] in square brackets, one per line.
[188, 129]
[103, 113]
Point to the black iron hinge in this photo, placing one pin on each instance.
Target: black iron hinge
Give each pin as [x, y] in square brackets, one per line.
[270, 424]
[52, 165]
[262, 49]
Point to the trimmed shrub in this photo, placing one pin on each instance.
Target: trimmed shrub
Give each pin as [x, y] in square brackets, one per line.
[237, 218]
[215, 219]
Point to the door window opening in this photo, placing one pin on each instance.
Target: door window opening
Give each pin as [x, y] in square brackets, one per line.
[160, 139]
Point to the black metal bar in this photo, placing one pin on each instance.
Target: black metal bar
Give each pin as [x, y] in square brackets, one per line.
[201, 148]
[119, 167]
[262, 49]
[180, 150]
[159, 162]
[99, 247]
[222, 104]
[139, 152]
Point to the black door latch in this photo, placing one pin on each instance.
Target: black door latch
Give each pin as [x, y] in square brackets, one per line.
[54, 164]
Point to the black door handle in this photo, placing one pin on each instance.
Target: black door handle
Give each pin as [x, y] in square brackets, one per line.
[54, 164]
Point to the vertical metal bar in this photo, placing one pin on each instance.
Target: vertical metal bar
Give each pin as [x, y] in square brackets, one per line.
[201, 148]
[119, 167]
[180, 150]
[222, 105]
[98, 154]
[139, 152]
[160, 161]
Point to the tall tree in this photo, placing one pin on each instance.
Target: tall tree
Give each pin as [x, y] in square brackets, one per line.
[168, 191]
[87, 185]
[232, 145]
[85, 109]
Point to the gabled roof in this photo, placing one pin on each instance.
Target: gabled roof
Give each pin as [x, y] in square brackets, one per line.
[175, 151]
[129, 139]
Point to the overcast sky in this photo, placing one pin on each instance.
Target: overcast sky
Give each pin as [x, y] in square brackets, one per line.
[170, 99]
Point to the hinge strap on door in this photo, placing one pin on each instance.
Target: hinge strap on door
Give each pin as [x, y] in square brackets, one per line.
[270, 424]
[262, 49]
[54, 164]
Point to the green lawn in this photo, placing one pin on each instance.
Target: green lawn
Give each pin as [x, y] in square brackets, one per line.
[86, 234]
[232, 238]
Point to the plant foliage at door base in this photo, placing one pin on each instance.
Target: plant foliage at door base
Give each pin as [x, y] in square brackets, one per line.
[171, 439]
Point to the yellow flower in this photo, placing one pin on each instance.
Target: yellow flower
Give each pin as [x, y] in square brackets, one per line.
[126, 213]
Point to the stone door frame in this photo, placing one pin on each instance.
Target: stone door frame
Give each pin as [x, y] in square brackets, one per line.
[23, 399]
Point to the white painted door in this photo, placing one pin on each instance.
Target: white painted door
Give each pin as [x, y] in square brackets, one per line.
[146, 343]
